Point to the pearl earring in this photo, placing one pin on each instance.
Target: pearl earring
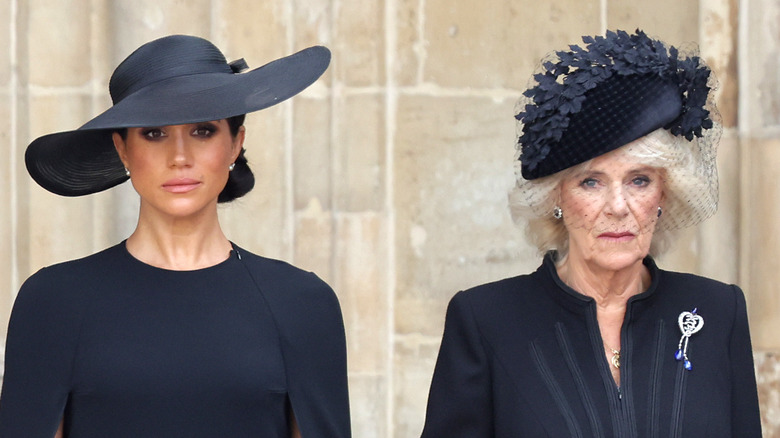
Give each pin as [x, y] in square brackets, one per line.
[127, 171]
[232, 166]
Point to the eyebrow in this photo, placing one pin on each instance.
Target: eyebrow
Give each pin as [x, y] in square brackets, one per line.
[633, 170]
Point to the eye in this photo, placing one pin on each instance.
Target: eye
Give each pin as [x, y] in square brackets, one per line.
[640, 181]
[152, 133]
[205, 130]
[589, 183]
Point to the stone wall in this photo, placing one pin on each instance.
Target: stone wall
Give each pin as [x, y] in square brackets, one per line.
[389, 176]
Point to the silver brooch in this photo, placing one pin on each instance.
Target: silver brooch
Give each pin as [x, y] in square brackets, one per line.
[689, 323]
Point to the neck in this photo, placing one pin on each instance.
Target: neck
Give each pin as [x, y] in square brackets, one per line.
[175, 243]
[610, 288]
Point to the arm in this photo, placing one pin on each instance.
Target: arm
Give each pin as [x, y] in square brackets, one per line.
[313, 344]
[745, 416]
[460, 403]
[39, 356]
[316, 357]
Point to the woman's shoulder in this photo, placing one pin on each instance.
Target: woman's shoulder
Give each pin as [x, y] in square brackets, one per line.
[73, 275]
[693, 283]
[521, 290]
[706, 294]
[276, 277]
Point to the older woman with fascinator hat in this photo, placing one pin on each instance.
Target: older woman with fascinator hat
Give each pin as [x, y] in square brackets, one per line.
[175, 331]
[617, 151]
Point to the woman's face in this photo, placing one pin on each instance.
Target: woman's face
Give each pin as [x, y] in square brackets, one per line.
[610, 209]
[179, 170]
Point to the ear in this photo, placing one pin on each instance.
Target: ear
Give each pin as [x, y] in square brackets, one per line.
[238, 143]
[120, 146]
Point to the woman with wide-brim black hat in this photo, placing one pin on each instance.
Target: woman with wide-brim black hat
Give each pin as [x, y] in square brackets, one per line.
[617, 152]
[175, 331]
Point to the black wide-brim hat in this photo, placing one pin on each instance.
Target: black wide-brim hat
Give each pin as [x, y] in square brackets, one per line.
[173, 80]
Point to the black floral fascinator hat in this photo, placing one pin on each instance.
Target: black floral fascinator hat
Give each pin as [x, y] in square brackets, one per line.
[619, 88]
[173, 80]
[585, 102]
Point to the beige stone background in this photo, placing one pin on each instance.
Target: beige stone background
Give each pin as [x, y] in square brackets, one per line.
[389, 176]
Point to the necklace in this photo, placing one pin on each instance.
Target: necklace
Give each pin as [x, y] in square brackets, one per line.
[615, 356]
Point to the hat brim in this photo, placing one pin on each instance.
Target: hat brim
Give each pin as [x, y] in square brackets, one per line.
[84, 161]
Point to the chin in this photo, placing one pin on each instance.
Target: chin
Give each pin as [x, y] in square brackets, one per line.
[616, 260]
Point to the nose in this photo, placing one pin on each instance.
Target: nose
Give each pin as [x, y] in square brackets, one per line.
[180, 153]
[616, 204]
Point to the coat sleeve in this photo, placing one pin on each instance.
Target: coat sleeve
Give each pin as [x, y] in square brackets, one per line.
[745, 416]
[460, 399]
[40, 348]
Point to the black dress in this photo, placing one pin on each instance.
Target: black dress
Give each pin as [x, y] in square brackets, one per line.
[123, 349]
[523, 357]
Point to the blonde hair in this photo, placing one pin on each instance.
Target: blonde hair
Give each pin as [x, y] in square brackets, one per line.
[690, 187]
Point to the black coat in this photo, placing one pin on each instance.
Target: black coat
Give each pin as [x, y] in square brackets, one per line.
[523, 357]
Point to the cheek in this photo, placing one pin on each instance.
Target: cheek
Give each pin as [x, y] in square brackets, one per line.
[582, 210]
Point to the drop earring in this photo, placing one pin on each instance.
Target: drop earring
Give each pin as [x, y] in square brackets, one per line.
[660, 211]
[127, 171]
[557, 212]
[232, 166]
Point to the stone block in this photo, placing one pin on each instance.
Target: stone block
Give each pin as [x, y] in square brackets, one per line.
[56, 53]
[409, 51]
[674, 22]
[719, 31]
[359, 153]
[361, 282]
[312, 153]
[137, 22]
[497, 44]
[9, 157]
[413, 363]
[453, 169]
[60, 228]
[761, 267]
[358, 43]
[5, 44]
[768, 380]
[54, 113]
[760, 50]
[368, 405]
[253, 30]
[314, 241]
[313, 22]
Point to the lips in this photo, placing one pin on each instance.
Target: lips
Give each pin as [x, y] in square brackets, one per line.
[180, 185]
[619, 236]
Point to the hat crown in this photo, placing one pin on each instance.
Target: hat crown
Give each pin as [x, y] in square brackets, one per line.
[165, 58]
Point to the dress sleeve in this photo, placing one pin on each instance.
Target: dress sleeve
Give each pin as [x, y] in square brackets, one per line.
[460, 402]
[40, 346]
[745, 416]
[315, 355]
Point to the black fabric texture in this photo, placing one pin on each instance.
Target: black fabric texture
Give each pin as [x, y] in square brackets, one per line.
[613, 114]
[523, 357]
[119, 348]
